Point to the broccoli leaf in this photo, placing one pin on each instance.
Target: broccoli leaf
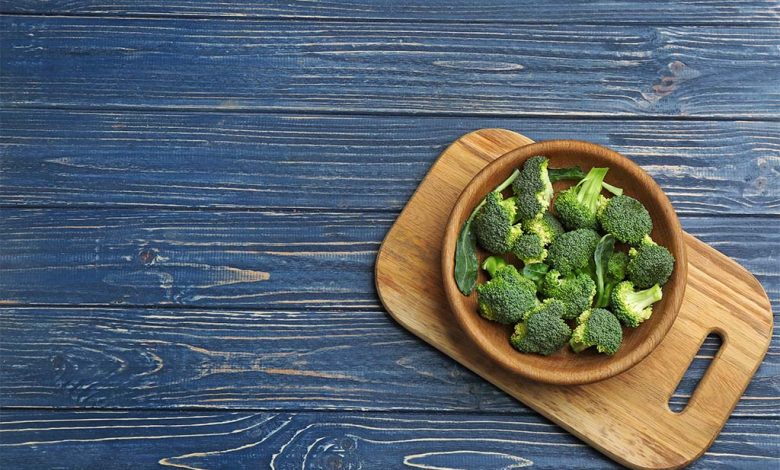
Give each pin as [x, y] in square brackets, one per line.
[604, 250]
[571, 173]
[466, 262]
[535, 272]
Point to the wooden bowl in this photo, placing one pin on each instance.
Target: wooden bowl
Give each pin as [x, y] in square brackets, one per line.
[565, 367]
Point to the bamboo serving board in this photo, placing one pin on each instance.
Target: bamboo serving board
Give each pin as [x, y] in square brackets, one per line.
[627, 416]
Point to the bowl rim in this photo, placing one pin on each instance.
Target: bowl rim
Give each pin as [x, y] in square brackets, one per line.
[534, 372]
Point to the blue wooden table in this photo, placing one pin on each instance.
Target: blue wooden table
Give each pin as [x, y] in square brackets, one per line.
[193, 194]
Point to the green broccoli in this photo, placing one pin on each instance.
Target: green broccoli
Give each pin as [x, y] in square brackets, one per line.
[533, 188]
[577, 205]
[507, 295]
[543, 331]
[546, 226]
[626, 219]
[597, 327]
[616, 272]
[529, 248]
[633, 307]
[493, 224]
[535, 272]
[571, 252]
[616, 267]
[576, 292]
[494, 264]
[649, 264]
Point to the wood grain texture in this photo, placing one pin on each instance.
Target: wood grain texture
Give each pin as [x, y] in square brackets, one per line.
[504, 11]
[282, 440]
[213, 355]
[243, 259]
[261, 360]
[457, 69]
[282, 259]
[615, 414]
[233, 160]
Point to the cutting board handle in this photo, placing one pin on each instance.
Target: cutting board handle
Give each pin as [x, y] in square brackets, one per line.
[743, 325]
[709, 390]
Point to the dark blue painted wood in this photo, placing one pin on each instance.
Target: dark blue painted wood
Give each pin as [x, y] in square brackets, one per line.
[74, 158]
[261, 359]
[248, 259]
[137, 257]
[282, 440]
[666, 12]
[457, 69]
[246, 343]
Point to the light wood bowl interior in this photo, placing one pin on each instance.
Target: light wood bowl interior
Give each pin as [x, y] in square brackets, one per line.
[565, 367]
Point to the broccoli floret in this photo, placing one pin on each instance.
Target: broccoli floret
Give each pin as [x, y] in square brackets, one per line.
[626, 219]
[616, 267]
[549, 305]
[597, 327]
[571, 252]
[529, 248]
[543, 332]
[533, 188]
[577, 205]
[493, 224]
[546, 226]
[576, 292]
[632, 307]
[493, 264]
[649, 264]
[507, 295]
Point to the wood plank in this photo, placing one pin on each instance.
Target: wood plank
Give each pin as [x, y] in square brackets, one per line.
[261, 360]
[236, 160]
[136, 257]
[330, 440]
[406, 68]
[504, 11]
[245, 259]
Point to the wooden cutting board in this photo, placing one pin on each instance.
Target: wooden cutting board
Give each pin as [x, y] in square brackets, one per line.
[626, 417]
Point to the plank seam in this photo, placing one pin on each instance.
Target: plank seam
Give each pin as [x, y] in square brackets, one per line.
[240, 308]
[299, 210]
[6, 106]
[522, 411]
[757, 23]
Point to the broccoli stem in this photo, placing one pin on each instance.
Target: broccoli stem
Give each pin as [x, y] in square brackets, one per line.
[508, 181]
[644, 298]
[575, 173]
[613, 189]
[588, 193]
[601, 256]
[603, 300]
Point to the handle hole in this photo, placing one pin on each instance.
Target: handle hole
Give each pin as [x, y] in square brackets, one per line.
[709, 349]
